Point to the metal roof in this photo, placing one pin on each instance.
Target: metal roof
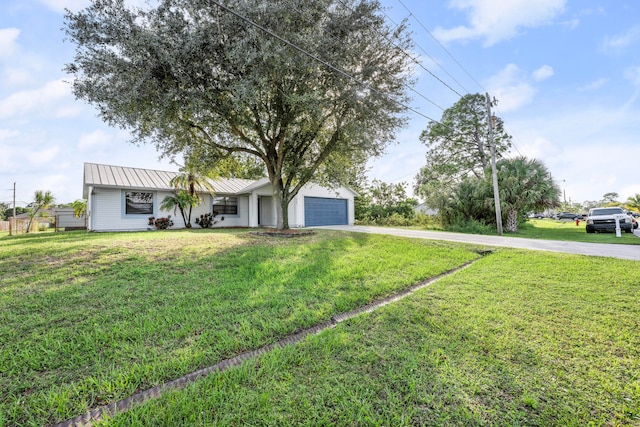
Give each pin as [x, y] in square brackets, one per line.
[98, 175]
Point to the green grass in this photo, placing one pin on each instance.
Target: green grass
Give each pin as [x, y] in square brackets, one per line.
[87, 319]
[546, 229]
[550, 229]
[519, 338]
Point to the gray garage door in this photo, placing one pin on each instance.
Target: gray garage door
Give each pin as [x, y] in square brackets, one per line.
[321, 211]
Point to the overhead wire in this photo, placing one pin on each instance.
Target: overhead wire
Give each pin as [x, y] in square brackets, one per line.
[435, 61]
[316, 58]
[441, 45]
[395, 46]
[412, 58]
[327, 64]
[459, 65]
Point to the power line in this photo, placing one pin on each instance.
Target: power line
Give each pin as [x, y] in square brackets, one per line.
[459, 64]
[435, 61]
[442, 46]
[327, 64]
[395, 46]
[316, 58]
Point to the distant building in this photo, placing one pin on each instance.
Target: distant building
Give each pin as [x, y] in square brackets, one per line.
[424, 209]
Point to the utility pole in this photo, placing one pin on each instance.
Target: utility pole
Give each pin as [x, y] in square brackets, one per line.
[494, 173]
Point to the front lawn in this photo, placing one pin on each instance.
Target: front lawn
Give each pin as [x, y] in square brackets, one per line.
[550, 229]
[87, 318]
[519, 338]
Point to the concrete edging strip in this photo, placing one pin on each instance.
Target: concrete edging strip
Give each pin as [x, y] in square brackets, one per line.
[87, 419]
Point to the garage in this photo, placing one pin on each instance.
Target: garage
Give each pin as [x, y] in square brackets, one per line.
[323, 211]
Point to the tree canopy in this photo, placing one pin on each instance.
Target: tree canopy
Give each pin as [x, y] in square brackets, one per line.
[525, 185]
[458, 146]
[633, 202]
[212, 78]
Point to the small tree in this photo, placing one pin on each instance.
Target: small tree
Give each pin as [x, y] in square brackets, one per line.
[183, 202]
[633, 202]
[610, 199]
[458, 146]
[79, 207]
[187, 185]
[525, 185]
[3, 208]
[381, 200]
[42, 200]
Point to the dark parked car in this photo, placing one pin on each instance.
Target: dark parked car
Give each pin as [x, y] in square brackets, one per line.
[568, 215]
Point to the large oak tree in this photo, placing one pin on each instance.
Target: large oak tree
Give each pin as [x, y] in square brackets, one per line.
[210, 78]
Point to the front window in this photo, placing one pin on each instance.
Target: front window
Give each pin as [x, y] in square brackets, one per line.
[225, 206]
[138, 203]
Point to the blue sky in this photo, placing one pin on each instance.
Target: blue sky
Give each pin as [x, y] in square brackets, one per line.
[566, 75]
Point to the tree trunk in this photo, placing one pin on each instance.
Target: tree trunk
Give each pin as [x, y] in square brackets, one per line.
[282, 208]
[512, 221]
[187, 220]
[184, 218]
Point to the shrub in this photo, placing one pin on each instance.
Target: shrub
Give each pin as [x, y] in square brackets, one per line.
[161, 223]
[397, 220]
[207, 220]
[471, 226]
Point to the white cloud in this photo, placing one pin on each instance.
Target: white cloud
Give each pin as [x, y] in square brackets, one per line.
[48, 100]
[591, 147]
[572, 24]
[8, 133]
[617, 43]
[94, 140]
[539, 148]
[633, 75]
[511, 88]
[497, 20]
[596, 84]
[8, 37]
[16, 76]
[543, 73]
[43, 157]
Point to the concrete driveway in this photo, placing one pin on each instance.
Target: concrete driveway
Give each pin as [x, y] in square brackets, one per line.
[631, 252]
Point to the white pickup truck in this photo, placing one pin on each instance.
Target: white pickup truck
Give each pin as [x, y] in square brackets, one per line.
[604, 219]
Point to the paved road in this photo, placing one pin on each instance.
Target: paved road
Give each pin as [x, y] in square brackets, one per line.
[596, 249]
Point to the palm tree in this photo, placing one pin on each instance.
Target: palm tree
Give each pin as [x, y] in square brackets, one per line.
[525, 185]
[181, 201]
[42, 200]
[187, 185]
[633, 202]
[79, 207]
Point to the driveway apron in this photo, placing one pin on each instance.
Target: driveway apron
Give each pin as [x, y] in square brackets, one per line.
[631, 252]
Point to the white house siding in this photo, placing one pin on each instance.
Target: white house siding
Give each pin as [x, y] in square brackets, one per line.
[106, 211]
[241, 220]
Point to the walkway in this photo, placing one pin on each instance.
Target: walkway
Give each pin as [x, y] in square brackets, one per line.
[631, 252]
